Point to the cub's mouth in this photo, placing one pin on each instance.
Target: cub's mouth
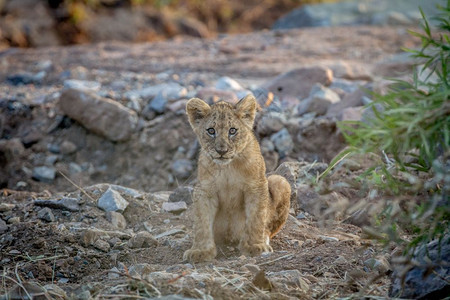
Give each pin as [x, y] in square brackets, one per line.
[222, 160]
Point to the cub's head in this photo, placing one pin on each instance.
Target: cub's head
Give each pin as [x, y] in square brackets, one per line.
[223, 129]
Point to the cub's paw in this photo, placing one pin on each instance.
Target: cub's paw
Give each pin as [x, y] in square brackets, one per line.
[255, 249]
[199, 255]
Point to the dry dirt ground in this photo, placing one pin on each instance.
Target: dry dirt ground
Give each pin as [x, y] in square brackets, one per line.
[81, 255]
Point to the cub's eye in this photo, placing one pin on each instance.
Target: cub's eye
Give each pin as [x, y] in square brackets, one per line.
[232, 131]
[211, 131]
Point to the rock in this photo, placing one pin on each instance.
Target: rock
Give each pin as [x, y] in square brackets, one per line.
[44, 174]
[353, 71]
[228, 84]
[380, 12]
[171, 90]
[101, 245]
[99, 115]
[65, 203]
[282, 141]
[126, 191]
[159, 103]
[170, 232]
[350, 100]
[174, 207]
[298, 82]
[14, 220]
[352, 113]
[26, 78]
[116, 219]
[46, 214]
[182, 168]
[270, 122]
[82, 85]
[67, 147]
[418, 282]
[111, 200]
[161, 196]
[3, 226]
[182, 193]
[142, 239]
[319, 100]
[4, 207]
[380, 264]
[212, 95]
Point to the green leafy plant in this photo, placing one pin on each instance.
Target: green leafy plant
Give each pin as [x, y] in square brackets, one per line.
[409, 127]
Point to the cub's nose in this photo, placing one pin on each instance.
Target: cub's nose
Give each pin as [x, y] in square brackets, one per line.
[221, 151]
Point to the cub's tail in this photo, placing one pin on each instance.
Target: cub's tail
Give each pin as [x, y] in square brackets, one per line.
[280, 194]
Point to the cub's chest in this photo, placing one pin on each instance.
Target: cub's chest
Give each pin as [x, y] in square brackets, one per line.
[228, 179]
[228, 185]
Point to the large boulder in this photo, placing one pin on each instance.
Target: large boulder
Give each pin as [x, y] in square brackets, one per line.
[357, 12]
[298, 82]
[99, 115]
[427, 277]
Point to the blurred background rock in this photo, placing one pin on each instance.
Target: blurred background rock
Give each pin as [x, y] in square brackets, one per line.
[37, 23]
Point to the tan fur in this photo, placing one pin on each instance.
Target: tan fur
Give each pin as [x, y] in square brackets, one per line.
[234, 202]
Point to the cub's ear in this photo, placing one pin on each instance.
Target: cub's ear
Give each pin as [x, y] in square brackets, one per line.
[196, 110]
[246, 109]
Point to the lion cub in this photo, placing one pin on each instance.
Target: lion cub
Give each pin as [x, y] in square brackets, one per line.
[234, 202]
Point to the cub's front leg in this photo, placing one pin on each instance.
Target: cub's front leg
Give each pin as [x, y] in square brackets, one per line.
[255, 240]
[205, 209]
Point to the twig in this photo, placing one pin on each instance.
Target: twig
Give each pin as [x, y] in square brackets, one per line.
[41, 257]
[17, 273]
[77, 186]
[53, 269]
[276, 259]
